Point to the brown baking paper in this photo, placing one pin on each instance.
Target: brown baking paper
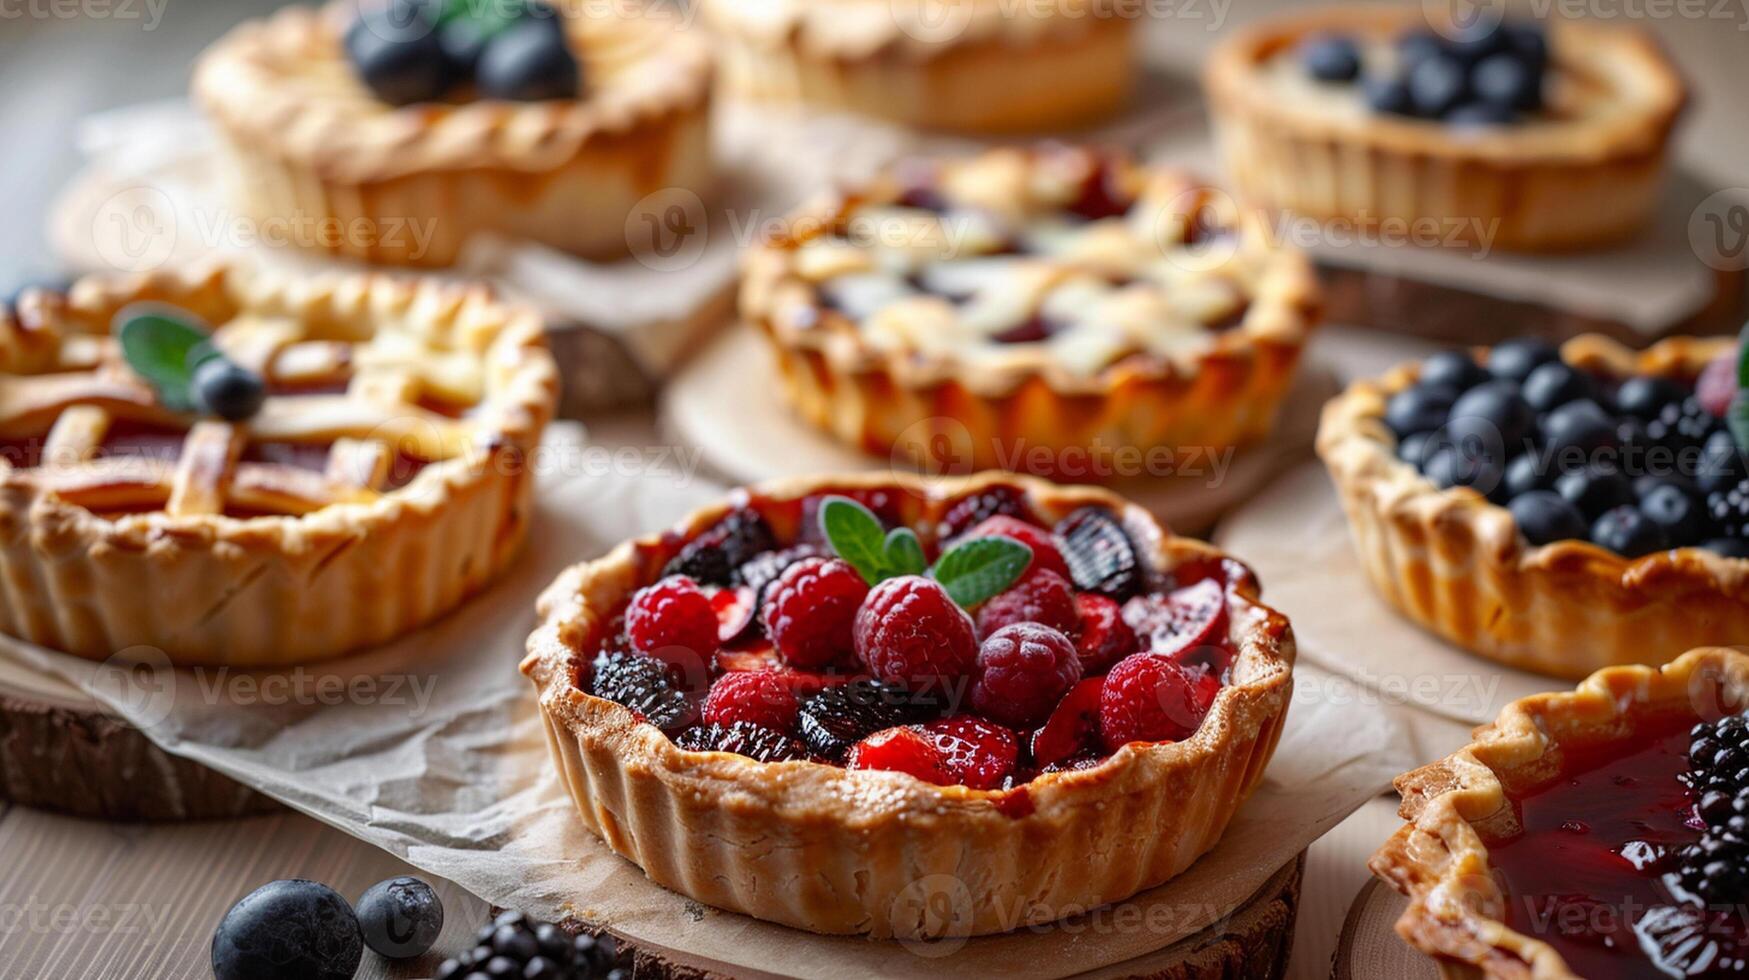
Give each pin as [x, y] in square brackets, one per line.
[431, 748]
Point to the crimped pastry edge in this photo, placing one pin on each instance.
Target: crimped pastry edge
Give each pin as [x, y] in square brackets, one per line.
[1439, 859]
[274, 591]
[834, 851]
[1455, 563]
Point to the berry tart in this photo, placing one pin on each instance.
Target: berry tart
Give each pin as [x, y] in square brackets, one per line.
[970, 65]
[242, 470]
[1602, 832]
[1557, 509]
[1034, 309]
[815, 702]
[1505, 133]
[393, 131]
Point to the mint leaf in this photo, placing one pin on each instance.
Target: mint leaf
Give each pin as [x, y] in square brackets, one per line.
[975, 570]
[903, 554]
[856, 535]
[163, 350]
[1743, 357]
[1737, 419]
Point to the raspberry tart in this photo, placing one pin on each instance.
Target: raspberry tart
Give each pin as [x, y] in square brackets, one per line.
[249, 471]
[980, 66]
[393, 131]
[1557, 509]
[1598, 832]
[809, 702]
[1046, 309]
[1503, 133]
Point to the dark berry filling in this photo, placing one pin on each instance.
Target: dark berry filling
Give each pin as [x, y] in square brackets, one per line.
[1490, 75]
[416, 51]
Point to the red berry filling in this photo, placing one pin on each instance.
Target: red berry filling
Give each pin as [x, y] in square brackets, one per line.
[1148, 698]
[1041, 596]
[909, 631]
[758, 698]
[673, 621]
[1024, 669]
[810, 610]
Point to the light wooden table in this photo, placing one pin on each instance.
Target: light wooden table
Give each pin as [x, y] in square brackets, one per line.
[95, 900]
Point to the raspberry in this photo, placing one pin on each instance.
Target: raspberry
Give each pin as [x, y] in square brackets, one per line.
[1043, 545]
[1105, 637]
[1041, 596]
[673, 621]
[811, 609]
[905, 749]
[964, 750]
[758, 697]
[742, 738]
[1023, 671]
[969, 511]
[1718, 384]
[908, 630]
[1147, 698]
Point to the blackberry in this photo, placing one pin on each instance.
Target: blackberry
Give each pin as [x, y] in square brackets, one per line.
[1730, 510]
[743, 738]
[840, 716]
[762, 570]
[513, 945]
[1716, 867]
[643, 685]
[1681, 426]
[968, 512]
[1718, 756]
[1101, 556]
[713, 557]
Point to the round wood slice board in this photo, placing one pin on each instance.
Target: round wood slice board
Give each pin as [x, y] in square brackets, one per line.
[1253, 943]
[726, 403]
[61, 750]
[1370, 946]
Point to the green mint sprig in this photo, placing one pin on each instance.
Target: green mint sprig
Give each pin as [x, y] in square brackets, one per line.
[971, 571]
[165, 351]
[1737, 418]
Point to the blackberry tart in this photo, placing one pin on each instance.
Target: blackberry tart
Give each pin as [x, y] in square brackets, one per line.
[393, 131]
[1598, 832]
[981, 674]
[1556, 509]
[1504, 133]
[1046, 309]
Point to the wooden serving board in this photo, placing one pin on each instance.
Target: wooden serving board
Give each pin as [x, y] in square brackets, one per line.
[61, 750]
[1370, 946]
[1253, 943]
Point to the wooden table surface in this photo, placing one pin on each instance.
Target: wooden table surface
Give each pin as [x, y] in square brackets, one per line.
[96, 900]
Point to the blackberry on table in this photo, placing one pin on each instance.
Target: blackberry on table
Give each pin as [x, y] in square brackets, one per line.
[743, 738]
[643, 685]
[513, 945]
[713, 557]
[1101, 556]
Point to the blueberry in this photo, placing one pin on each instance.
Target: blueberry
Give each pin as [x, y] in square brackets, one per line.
[1531, 44]
[1628, 532]
[1453, 369]
[1646, 485]
[1437, 85]
[1577, 432]
[462, 41]
[1494, 413]
[1419, 409]
[528, 62]
[1331, 58]
[1728, 547]
[1595, 490]
[1677, 513]
[1388, 95]
[1645, 397]
[1450, 466]
[400, 917]
[227, 389]
[288, 930]
[1507, 81]
[1480, 114]
[1412, 449]
[1544, 516]
[1515, 359]
[398, 56]
[1525, 474]
[1639, 453]
[1417, 46]
[1555, 384]
[1722, 465]
[1475, 43]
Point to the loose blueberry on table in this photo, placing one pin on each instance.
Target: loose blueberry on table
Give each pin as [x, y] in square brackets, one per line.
[1493, 75]
[1633, 464]
[1634, 862]
[411, 51]
[1019, 649]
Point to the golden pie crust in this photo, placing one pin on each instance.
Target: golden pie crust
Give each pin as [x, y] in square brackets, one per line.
[220, 556]
[1455, 563]
[1455, 806]
[832, 850]
[983, 66]
[316, 159]
[1024, 407]
[1589, 178]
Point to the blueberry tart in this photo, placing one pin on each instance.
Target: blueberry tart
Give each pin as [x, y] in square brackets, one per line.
[806, 703]
[1047, 309]
[1512, 134]
[1598, 832]
[1559, 509]
[392, 132]
[248, 471]
[968, 65]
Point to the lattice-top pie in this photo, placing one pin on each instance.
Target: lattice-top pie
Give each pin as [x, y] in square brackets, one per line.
[381, 480]
[1056, 299]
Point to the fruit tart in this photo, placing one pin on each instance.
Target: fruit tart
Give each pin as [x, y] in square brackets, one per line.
[837, 703]
[1498, 132]
[1556, 509]
[1055, 310]
[970, 65]
[243, 470]
[1602, 832]
[392, 131]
